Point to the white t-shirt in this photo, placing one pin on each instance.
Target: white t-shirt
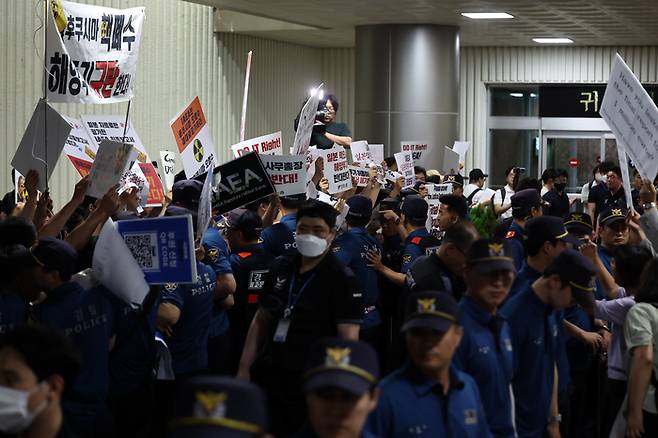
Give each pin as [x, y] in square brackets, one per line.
[479, 196]
[544, 190]
[641, 329]
[584, 193]
[498, 200]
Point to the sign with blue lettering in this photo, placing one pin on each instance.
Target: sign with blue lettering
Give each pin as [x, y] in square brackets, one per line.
[163, 247]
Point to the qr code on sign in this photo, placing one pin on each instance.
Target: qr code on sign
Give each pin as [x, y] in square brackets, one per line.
[144, 248]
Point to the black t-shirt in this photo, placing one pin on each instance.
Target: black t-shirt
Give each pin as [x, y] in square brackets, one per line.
[326, 296]
[429, 273]
[322, 142]
[559, 204]
[597, 195]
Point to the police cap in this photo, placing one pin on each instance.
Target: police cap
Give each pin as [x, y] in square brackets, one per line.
[454, 178]
[187, 193]
[415, 208]
[547, 229]
[524, 200]
[488, 255]
[611, 215]
[360, 207]
[243, 220]
[580, 223]
[579, 273]
[55, 255]
[390, 204]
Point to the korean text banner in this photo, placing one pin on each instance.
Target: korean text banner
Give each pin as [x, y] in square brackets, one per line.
[112, 128]
[243, 180]
[194, 139]
[336, 169]
[92, 51]
[405, 164]
[269, 144]
[287, 172]
[79, 147]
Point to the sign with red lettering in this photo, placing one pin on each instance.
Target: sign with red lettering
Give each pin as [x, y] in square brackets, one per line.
[415, 147]
[269, 144]
[360, 152]
[287, 172]
[82, 166]
[360, 176]
[156, 195]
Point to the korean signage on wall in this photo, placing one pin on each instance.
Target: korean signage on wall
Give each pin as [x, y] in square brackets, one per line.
[578, 100]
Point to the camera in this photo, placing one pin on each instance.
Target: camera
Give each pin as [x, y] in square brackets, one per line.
[321, 113]
[519, 170]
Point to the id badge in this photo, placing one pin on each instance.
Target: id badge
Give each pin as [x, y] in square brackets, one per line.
[281, 331]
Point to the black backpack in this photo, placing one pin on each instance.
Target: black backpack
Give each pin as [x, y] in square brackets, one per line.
[469, 200]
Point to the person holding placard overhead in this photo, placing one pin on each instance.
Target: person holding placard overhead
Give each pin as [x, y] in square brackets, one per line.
[324, 136]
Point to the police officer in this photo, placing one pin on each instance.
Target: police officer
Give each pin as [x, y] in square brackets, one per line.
[279, 238]
[452, 210]
[457, 182]
[579, 225]
[340, 384]
[534, 331]
[428, 397]
[485, 351]
[389, 211]
[613, 232]
[526, 204]
[351, 248]
[250, 265]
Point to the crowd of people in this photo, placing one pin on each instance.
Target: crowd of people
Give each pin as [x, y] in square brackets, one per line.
[540, 322]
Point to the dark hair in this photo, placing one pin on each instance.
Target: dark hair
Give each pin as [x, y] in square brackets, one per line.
[555, 269]
[629, 263]
[595, 170]
[606, 166]
[415, 222]
[389, 161]
[561, 172]
[318, 209]
[532, 246]
[14, 259]
[548, 174]
[508, 170]
[455, 205]
[462, 235]
[332, 98]
[255, 205]
[291, 203]
[648, 289]
[16, 230]
[616, 170]
[45, 350]
[420, 169]
[528, 183]
[357, 222]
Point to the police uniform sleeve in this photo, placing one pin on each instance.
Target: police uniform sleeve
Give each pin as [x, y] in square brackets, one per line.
[517, 253]
[216, 254]
[380, 421]
[409, 255]
[173, 293]
[348, 301]
[342, 251]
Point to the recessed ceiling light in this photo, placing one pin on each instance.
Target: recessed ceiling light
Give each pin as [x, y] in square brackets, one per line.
[486, 15]
[516, 94]
[553, 40]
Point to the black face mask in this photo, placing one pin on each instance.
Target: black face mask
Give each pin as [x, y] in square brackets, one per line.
[560, 187]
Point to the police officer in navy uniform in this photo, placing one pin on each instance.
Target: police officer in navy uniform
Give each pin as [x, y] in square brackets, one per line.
[351, 248]
[534, 331]
[613, 231]
[340, 384]
[579, 225]
[279, 238]
[250, 264]
[86, 318]
[526, 204]
[428, 396]
[485, 351]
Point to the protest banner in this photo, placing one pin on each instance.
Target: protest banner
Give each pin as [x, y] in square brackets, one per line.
[376, 152]
[392, 176]
[405, 164]
[336, 169]
[91, 52]
[450, 163]
[461, 147]
[632, 116]
[625, 177]
[112, 161]
[168, 163]
[242, 180]
[78, 143]
[42, 143]
[287, 173]
[360, 176]
[306, 122]
[415, 147]
[269, 144]
[163, 248]
[134, 177]
[434, 192]
[360, 152]
[115, 267]
[112, 128]
[83, 167]
[156, 195]
[194, 139]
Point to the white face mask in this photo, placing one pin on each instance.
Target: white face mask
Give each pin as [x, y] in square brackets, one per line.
[309, 245]
[14, 415]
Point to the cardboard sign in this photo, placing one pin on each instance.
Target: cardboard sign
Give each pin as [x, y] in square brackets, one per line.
[360, 176]
[461, 147]
[112, 161]
[38, 151]
[269, 144]
[450, 161]
[163, 248]
[194, 140]
[287, 172]
[376, 152]
[83, 167]
[336, 169]
[156, 195]
[306, 122]
[115, 267]
[626, 180]
[243, 180]
[415, 147]
[79, 144]
[168, 166]
[633, 117]
[360, 152]
[405, 164]
[92, 52]
[135, 177]
[434, 192]
[112, 128]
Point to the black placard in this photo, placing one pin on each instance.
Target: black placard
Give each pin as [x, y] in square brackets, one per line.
[243, 180]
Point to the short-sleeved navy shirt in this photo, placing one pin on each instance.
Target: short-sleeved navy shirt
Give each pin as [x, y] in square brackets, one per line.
[559, 203]
[516, 237]
[279, 239]
[412, 248]
[216, 257]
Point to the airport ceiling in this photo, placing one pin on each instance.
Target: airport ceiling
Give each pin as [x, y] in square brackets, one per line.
[330, 23]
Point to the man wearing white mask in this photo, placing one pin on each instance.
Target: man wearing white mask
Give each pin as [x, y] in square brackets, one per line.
[308, 295]
[36, 364]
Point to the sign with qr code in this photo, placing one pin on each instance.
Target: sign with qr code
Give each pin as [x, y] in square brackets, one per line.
[243, 180]
[163, 248]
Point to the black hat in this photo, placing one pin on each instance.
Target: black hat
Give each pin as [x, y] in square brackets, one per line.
[456, 203]
[547, 228]
[390, 204]
[454, 178]
[187, 193]
[243, 220]
[55, 255]
[578, 222]
[579, 273]
[524, 200]
[430, 309]
[209, 406]
[339, 363]
[488, 255]
[415, 208]
[293, 201]
[611, 215]
[360, 207]
[476, 174]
